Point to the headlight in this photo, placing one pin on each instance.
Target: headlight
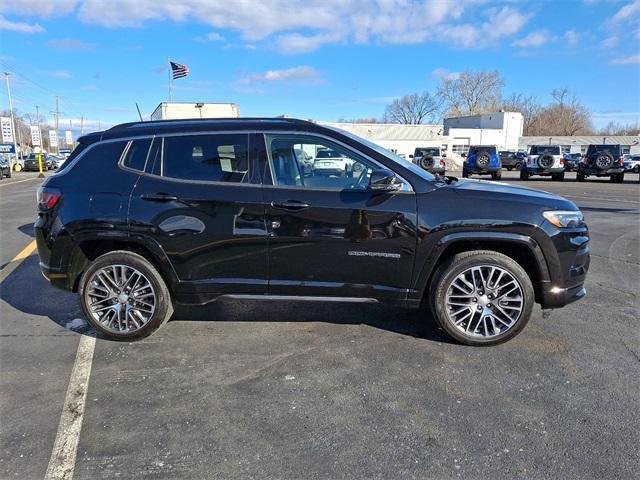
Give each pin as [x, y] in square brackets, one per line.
[564, 218]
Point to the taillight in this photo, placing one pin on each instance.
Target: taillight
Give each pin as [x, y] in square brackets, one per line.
[442, 163]
[562, 161]
[48, 197]
[621, 161]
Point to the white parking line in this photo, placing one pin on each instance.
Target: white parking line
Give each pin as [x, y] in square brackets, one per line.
[63, 456]
[18, 181]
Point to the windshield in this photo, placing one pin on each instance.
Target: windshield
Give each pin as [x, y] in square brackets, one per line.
[545, 149]
[612, 149]
[387, 154]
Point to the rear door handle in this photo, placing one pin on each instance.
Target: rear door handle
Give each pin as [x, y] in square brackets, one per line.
[159, 197]
[290, 205]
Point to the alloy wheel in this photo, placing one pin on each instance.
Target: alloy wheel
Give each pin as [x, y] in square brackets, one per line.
[484, 301]
[120, 298]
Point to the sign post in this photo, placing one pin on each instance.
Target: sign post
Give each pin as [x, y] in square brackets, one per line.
[40, 165]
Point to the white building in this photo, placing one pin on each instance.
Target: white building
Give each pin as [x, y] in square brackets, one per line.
[579, 143]
[185, 110]
[502, 129]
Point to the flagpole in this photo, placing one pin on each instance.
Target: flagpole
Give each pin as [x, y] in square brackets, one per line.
[170, 81]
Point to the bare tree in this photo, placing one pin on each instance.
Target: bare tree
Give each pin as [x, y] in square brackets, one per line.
[565, 116]
[472, 93]
[615, 128]
[358, 120]
[528, 106]
[413, 109]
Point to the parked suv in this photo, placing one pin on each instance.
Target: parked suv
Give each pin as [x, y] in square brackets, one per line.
[602, 161]
[147, 215]
[430, 159]
[631, 163]
[32, 164]
[544, 160]
[482, 160]
[510, 160]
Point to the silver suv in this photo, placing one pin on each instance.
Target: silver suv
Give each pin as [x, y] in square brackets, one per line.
[430, 159]
[544, 160]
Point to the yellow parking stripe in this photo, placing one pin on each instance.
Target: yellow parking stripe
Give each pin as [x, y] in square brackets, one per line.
[13, 264]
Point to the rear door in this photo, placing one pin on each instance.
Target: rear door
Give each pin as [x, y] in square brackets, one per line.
[328, 234]
[201, 202]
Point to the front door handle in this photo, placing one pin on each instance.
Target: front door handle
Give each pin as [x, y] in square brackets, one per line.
[159, 197]
[290, 205]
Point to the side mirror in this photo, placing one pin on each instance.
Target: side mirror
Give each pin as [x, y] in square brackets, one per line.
[410, 156]
[383, 181]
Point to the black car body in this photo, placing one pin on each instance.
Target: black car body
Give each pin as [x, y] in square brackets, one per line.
[253, 225]
[31, 163]
[571, 161]
[511, 160]
[602, 161]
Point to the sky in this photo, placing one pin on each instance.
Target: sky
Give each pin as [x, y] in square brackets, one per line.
[320, 59]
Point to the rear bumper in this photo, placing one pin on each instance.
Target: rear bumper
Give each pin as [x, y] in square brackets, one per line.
[544, 171]
[482, 171]
[601, 173]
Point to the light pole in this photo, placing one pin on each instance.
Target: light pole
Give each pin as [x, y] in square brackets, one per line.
[13, 122]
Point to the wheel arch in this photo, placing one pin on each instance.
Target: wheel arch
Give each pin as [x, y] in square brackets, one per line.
[521, 248]
[88, 249]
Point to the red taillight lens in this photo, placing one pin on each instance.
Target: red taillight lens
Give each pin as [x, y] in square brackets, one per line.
[562, 161]
[48, 197]
[442, 163]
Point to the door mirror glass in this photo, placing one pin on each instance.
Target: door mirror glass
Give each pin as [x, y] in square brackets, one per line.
[383, 181]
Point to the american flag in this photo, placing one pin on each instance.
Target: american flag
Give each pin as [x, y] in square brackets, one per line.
[179, 70]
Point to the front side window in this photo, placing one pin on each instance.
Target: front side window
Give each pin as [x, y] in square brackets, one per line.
[211, 158]
[312, 162]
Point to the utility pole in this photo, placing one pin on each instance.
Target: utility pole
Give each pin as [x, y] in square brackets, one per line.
[57, 116]
[13, 122]
[81, 125]
[38, 123]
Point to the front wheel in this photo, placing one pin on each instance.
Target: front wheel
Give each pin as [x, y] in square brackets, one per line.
[482, 297]
[123, 296]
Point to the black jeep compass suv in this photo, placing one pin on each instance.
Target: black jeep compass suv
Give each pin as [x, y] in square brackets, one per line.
[149, 214]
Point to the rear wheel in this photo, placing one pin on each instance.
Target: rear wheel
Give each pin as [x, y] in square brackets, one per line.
[524, 175]
[580, 177]
[123, 296]
[558, 177]
[482, 297]
[496, 175]
[9, 172]
[617, 178]
[636, 169]
[465, 174]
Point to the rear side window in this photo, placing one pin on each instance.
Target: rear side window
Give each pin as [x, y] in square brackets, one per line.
[612, 149]
[81, 147]
[105, 153]
[212, 158]
[137, 154]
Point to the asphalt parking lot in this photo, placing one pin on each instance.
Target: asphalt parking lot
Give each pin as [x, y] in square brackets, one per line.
[294, 390]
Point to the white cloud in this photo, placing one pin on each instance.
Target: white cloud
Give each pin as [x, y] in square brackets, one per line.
[572, 37]
[19, 27]
[70, 44]
[444, 74]
[38, 8]
[301, 74]
[610, 42]
[533, 40]
[296, 43]
[298, 26]
[630, 60]
[61, 74]
[628, 12]
[214, 37]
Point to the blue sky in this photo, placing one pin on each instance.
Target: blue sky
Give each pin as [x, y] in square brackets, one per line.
[321, 59]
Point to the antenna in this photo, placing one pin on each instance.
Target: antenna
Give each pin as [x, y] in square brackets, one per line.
[139, 112]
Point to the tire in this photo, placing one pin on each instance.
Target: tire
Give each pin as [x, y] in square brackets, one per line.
[545, 161]
[426, 163]
[482, 160]
[524, 175]
[636, 169]
[518, 166]
[617, 178]
[580, 177]
[507, 322]
[496, 176]
[151, 287]
[603, 160]
[465, 174]
[9, 172]
[509, 168]
[558, 177]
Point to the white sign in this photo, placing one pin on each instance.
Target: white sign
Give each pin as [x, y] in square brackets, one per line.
[7, 130]
[35, 136]
[53, 139]
[68, 137]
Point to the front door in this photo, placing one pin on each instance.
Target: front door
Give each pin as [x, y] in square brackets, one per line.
[200, 201]
[328, 234]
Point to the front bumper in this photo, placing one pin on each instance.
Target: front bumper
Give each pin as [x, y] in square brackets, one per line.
[567, 268]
